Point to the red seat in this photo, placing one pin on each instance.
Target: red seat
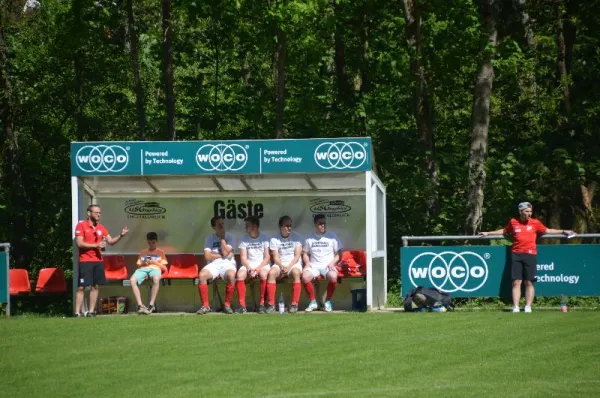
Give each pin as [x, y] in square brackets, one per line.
[183, 266]
[51, 280]
[115, 268]
[18, 281]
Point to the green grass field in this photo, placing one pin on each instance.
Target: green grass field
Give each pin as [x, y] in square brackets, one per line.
[350, 354]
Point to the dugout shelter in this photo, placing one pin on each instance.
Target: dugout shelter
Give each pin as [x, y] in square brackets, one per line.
[174, 188]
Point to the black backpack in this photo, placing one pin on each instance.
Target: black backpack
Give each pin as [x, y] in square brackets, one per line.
[428, 298]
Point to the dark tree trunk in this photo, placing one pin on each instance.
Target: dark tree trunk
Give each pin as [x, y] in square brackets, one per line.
[565, 39]
[167, 50]
[480, 119]
[361, 80]
[281, 49]
[134, 54]
[340, 55]
[521, 8]
[423, 109]
[200, 87]
[78, 68]
[530, 82]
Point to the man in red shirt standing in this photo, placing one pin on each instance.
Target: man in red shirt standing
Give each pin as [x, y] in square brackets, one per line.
[91, 238]
[524, 231]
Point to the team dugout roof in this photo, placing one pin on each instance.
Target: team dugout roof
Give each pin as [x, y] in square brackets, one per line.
[253, 165]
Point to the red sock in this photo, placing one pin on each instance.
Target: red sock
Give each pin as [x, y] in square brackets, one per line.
[241, 289]
[310, 290]
[229, 288]
[330, 289]
[263, 289]
[271, 287]
[203, 290]
[295, 293]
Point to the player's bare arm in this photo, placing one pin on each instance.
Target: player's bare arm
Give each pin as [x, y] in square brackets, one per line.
[82, 245]
[266, 259]
[276, 258]
[225, 248]
[244, 258]
[209, 255]
[111, 241]
[496, 232]
[560, 231]
[297, 254]
[306, 259]
[332, 265]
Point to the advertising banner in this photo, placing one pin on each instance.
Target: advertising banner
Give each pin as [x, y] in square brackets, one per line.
[183, 224]
[220, 157]
[3, 277]
[484, 271]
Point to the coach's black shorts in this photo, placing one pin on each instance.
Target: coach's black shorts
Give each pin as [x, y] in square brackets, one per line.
[524, 267]
[91, 273]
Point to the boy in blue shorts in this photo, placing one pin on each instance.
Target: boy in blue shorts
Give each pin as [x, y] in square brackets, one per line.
[151, 263]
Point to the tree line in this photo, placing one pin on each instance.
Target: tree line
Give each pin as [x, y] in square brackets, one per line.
[472, 105]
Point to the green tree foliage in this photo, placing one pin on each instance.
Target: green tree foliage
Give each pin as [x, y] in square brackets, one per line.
[347, 73]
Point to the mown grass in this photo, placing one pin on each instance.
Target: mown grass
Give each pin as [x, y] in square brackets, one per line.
[347, 354]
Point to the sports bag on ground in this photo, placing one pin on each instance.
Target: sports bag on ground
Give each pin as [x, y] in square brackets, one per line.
[428, 298]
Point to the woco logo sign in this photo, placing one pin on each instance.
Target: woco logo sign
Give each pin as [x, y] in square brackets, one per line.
[222, 157]
[340, 155]
[102, 158]
[449, 271]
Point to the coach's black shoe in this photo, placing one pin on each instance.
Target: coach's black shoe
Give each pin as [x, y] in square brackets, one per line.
[78, 316]
[90, 315]
[227, 309]
[241, 310]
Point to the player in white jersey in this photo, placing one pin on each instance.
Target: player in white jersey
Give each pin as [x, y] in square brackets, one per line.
[218, 253]
[321, 255]
[256, 262]
[286, 251]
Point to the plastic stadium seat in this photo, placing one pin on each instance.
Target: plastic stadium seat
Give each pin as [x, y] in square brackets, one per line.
[115, 268]
[51, 280]
[183, 266]
[18, 281]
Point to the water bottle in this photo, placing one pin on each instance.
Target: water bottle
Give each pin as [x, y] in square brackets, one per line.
[563, 303]
[281, 304]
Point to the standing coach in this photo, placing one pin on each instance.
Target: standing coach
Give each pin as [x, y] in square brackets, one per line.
[91, 238]
[524, 231]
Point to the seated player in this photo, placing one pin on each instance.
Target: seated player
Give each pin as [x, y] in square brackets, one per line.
[255, 258]
[286, 251]
[218, 253]
[151, 263]
[321, 255]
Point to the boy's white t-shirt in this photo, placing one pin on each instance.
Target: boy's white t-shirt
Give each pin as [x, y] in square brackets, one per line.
[286, 247]
[321, 249]
[255, 248]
